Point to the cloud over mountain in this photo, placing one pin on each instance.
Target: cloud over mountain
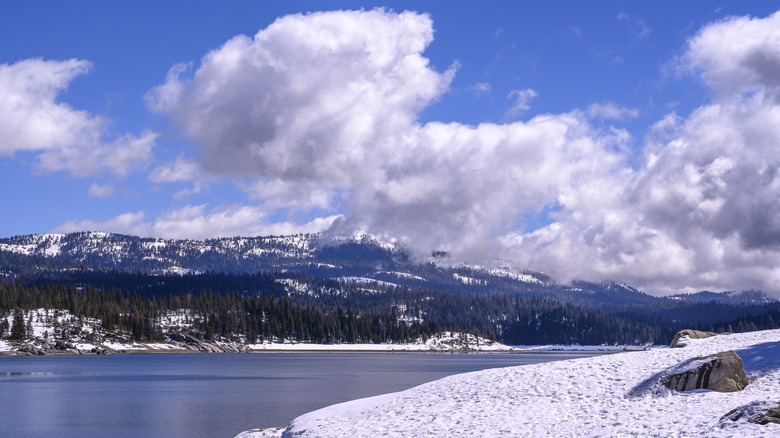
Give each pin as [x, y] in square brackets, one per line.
[319, 112]
[701, 211]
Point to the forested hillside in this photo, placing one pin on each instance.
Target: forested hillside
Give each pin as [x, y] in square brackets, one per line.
[254, 308]
[356, 290]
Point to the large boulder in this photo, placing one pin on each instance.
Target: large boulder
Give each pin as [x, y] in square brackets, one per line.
[722, 372]
[758, 412]
[192, 343]
[62, 345]
[104, 351]
[680, 337]
[30, 350]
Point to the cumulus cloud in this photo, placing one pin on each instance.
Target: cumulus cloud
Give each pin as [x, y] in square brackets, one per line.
[64, 138]
[467, 186]
[318, 112]
[197, 222]
[701, 211]
[737, 55]
[308, 97]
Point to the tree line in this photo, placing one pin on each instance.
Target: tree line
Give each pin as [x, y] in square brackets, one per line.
[232, 316]
[257, 307]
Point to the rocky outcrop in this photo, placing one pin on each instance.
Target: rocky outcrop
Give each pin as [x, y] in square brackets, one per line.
[29, 350]
[192, 343]
[679, 338]
[67, 347]
[758, 412]
[722, 372]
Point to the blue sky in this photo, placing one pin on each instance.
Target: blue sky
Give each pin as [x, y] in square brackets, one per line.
[543, 134]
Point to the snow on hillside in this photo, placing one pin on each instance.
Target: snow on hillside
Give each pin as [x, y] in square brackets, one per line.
[503, 272]
[442, 342]
[402, 275]
[467, 280]
[41, 244]
[362, 237]
[116, 247]
[597, 396]
[365, 280]
[49, 327]
[87, 334]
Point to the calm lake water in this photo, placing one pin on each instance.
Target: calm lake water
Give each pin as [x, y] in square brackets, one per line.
[207, 395]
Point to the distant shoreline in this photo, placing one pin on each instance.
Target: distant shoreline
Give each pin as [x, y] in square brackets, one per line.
[318, 348]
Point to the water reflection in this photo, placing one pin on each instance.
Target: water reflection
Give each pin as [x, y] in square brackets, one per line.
[206, 395]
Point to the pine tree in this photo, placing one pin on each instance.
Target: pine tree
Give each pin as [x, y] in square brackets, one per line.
[4, 327]
[29, 326]
[18, 330]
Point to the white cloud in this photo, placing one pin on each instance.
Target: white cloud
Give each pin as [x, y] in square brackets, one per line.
[126, 223]
[98, 191]
[181, 169]
[610, 110]
[522, 102]
[64, 139]
[481, 88]
[737, 55]
[319, 112]
[196, 222]
[700, 212]
[467, 186]
[196, 188]
[307, 97]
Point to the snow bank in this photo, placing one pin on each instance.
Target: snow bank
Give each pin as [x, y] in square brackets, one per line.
[271, 432]
[445, 341]
[594, 396]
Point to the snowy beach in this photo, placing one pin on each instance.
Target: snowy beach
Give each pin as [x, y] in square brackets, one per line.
[609, 395]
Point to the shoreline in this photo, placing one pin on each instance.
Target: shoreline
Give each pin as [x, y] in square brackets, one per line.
[614, 395]
[323, 348]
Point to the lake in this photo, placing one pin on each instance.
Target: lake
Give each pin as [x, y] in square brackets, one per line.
[208, 395]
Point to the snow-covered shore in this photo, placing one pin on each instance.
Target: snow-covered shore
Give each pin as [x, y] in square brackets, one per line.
[442, 342]
[45, 330]
[606, 395]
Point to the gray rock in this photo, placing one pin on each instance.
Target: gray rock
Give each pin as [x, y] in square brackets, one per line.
[61, 345]
[691, 334]
[758, 412]
[192, 343]
[722, 372]
[30, 350]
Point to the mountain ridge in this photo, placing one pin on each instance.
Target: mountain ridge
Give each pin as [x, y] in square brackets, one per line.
[358, 256]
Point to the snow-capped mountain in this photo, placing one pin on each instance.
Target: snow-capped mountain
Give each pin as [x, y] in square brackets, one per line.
[356, 256]
[155, 255]
[359, 258]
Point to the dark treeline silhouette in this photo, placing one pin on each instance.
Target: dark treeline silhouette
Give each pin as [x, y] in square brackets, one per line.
[767, 319]
[231, 316]
[254, 307]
